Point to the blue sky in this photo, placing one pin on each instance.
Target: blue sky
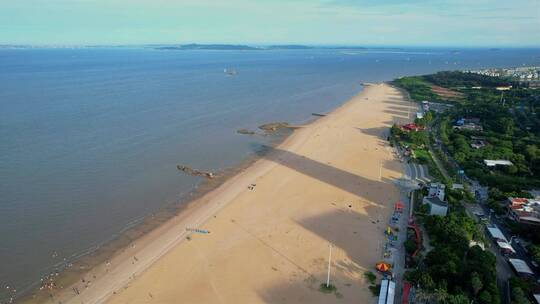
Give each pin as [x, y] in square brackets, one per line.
[362, 22]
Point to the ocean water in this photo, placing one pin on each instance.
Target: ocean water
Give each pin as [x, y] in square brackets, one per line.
[90, 138]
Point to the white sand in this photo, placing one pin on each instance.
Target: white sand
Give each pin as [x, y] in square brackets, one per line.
[329, 182]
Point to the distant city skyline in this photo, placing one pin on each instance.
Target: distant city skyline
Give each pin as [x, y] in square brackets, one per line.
[494, 23]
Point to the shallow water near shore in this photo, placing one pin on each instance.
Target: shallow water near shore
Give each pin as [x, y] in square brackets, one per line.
[91, 137]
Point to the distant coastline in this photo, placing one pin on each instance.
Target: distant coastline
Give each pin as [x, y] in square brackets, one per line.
[242, 47]
[215, 47]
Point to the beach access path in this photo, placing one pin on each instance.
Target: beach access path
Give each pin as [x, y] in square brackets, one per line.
[270, 226]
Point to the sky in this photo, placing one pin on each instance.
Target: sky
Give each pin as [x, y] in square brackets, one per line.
[467, 23]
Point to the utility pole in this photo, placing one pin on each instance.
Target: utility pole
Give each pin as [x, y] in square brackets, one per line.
[329, 259]
[380, 170]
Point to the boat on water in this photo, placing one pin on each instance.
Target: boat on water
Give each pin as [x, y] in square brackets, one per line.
[230, 72]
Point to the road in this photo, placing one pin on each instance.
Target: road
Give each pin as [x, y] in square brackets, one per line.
[399, 259]
[504, 271]
[417, 172]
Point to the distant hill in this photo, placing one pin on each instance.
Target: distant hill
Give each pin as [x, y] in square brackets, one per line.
[289, 47]
[195, 46]
[240, 47]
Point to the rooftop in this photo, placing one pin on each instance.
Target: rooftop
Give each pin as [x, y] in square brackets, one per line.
[496, 233]
[505, 245]
[436, 201]
[521, 266]
[497, 162]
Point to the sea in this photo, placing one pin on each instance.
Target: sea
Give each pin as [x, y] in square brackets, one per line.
[90, 137]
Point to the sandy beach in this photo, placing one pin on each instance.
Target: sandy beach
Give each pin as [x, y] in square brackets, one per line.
[270, 226]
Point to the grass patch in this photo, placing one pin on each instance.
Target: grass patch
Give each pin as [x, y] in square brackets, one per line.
[327, 288]
[421, 155]
[370, 277]
[330, 289]
[375, 289]
[417, 88]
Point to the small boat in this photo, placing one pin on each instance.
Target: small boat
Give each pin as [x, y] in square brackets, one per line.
[230, 72]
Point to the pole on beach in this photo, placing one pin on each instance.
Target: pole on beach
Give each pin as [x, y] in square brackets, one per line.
[380, 170]
[329, 259]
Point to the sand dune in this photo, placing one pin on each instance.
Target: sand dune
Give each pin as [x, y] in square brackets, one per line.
[331, 182]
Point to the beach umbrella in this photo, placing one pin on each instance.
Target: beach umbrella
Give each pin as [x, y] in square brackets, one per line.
[382, 267]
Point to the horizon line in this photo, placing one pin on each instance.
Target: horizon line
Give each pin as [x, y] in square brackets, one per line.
[315, 45]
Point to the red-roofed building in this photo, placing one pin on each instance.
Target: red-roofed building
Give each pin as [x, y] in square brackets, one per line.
[524, 210]
[411, 127]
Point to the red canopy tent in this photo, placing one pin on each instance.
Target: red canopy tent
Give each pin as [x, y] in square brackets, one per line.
[382, 267]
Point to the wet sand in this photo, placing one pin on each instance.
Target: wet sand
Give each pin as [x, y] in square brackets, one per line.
[330, 182]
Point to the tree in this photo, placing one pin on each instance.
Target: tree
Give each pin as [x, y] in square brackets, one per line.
[428, 117]
[484, 297]
[518, 296]
[476, 283]
[534, 250]
[532, 152]
[505, 125]
[410, 246]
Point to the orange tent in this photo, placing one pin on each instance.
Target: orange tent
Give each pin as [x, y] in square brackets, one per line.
[382, 267]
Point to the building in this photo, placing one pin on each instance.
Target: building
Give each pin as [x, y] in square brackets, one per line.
[496, 234]
[387, 293]
[524, 210]
[469, 127]
[436, 206]
[425, 105]
[497, 162]
[477, 144]
[435, 199]
[436, 189]
[458, 187]
[521, 268]
[411, 127]
[471, 124]
[505, 248]
[498, 237]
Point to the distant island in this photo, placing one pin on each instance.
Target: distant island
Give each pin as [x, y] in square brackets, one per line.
[289, 47]
[220, 47]
[234, 47]
[241, 47]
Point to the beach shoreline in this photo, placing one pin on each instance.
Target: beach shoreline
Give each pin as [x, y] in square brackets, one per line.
[82, 264]
[126, 266]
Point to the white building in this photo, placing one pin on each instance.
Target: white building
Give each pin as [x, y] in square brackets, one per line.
[425, 105]
[435, 199]
[387, 293]
[436, 205]
[521, 267]
[497, 162]
[436, 189]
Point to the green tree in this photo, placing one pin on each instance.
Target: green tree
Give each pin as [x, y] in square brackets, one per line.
[484, 297]
[518, 296]
[476, 283]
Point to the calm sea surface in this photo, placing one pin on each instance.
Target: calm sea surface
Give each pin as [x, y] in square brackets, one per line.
[89, 138]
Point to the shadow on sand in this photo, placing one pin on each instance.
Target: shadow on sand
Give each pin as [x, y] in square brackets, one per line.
[328, 174]
[354, 250]
[354, 228]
